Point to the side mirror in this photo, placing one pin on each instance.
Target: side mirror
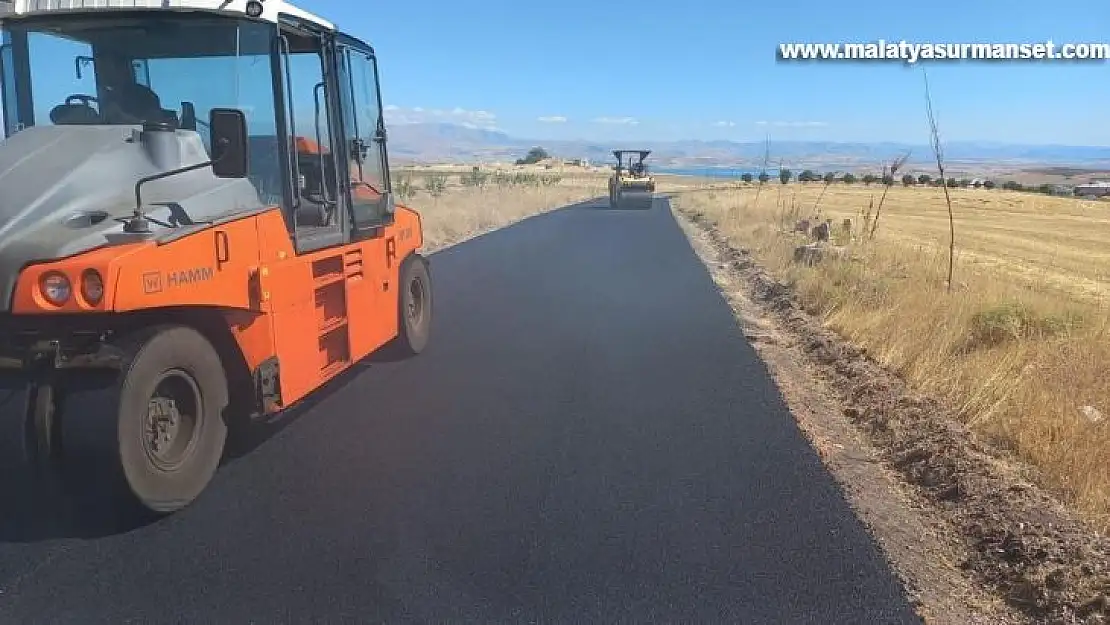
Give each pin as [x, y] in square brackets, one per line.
[229, 142]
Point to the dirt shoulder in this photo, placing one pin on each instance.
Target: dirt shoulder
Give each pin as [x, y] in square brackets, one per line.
[965, 528]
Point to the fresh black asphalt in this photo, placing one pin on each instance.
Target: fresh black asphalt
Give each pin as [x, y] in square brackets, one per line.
[588, 438]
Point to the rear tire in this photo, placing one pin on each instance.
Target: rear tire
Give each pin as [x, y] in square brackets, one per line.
[23, 483]
[153, 436]
[414, 306]
[41, 438]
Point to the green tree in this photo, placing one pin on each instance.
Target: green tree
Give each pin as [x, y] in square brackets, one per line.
[533, 156]
[764, 177]
[849, 178]
[869, 179]
[952, 183]
[746, 177]
[785, 175]
[988, 184]
[924, 179]
[965, 183]
[1045, 188]
[908, 180]
[830, 178]
[807, 176]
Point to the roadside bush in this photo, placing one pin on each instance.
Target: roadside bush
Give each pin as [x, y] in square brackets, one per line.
[474, 178]
[403, 187]
[435, 184]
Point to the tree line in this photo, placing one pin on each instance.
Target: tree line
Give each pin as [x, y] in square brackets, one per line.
[908, 180]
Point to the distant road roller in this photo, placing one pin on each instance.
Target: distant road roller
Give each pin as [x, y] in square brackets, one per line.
[631, 186]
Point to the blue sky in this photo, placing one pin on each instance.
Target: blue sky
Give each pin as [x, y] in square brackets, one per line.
[714, 61]
[708, 69]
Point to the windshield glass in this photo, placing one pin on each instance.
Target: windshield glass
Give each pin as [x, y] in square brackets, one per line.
[129, 70]
[632, 161]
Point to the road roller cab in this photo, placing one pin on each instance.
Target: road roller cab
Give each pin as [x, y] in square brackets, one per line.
[631, 183]
[196, 225]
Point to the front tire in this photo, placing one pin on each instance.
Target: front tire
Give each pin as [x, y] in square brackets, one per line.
[154, 436]
[414, 306]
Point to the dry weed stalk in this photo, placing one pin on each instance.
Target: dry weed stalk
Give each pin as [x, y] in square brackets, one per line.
[888, 182]
[778, 196]
[867, 214]
[763, 171]
[939, 153]
[817, 204]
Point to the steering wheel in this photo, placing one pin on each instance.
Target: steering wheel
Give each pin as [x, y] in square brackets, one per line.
[80, 98]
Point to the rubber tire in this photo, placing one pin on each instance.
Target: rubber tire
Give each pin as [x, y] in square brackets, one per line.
[20, 478]
[102, 426]
[412, 337]
[41, 427]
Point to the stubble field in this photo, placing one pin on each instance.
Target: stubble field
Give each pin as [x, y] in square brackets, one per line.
[1018, 346]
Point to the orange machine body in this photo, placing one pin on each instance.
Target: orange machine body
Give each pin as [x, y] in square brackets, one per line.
[316, 313]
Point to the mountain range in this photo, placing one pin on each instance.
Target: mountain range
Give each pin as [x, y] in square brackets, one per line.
[443, 142]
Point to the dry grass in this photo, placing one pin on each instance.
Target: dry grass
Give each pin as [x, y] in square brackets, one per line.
[459, 212]
[1019, 347]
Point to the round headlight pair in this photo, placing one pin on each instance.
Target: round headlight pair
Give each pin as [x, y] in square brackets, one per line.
[57, 289]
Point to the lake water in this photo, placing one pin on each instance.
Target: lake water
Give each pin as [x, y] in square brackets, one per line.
[712, 172]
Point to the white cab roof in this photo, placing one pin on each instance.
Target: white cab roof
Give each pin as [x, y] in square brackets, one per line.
[270, 8]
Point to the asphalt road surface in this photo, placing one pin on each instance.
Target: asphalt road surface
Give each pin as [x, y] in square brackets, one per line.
[588, 438]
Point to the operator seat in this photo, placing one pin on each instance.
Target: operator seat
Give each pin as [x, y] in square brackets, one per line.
[132, 103]
[74, 114]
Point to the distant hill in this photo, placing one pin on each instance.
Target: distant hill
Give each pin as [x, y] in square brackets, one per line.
[438, 142]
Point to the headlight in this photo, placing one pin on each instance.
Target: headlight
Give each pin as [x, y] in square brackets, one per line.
[92, 286]
[55, 288]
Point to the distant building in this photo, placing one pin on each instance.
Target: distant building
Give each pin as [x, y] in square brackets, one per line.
[1098, 188]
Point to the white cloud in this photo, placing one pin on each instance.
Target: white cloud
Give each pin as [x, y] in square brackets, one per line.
[793, 124]
[399, 115]
[724, 124]
[628, 121]
[552, 119]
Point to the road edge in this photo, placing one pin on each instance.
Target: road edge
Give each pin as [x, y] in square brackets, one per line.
[429, 250]
[968, 534]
